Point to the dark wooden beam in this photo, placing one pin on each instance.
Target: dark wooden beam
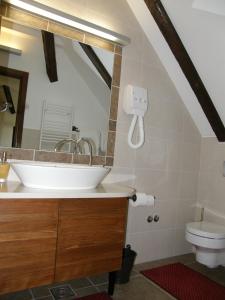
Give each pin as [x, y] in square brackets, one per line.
[97, 63]
[50, 57]
[166, 27]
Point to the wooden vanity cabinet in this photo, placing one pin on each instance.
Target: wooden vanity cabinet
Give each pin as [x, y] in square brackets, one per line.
[50, 240]
[91, 236]
[28, 230]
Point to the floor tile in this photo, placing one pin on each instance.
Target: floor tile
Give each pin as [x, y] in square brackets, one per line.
[45, 298]
[185, 259]
[22, 295]
[102, 287]
[134, 273]
[139, 289]
[79, 283]
[62, 292]
[216, 274]
[41, 291]
[99, 279]
[86, 291]
[201, 268]
[44, 291]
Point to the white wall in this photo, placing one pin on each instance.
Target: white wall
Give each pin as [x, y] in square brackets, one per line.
[203, 36]
[215, 6]
[171, 65]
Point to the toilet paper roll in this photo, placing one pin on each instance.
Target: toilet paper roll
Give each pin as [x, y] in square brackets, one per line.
[143, 200]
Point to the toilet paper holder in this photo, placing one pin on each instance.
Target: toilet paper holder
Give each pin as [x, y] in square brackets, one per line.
[133, 197]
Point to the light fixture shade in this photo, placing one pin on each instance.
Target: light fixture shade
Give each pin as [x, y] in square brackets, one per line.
[8, 49]
[61, 17]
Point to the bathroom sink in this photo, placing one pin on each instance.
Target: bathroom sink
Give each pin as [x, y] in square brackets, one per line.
[58, 175]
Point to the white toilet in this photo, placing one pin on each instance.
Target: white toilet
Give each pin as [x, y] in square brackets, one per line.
[209, 242]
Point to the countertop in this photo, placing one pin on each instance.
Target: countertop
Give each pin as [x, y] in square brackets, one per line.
[15, 190]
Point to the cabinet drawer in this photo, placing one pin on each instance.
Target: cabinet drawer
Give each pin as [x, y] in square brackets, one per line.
[90, 237]
[28, 230]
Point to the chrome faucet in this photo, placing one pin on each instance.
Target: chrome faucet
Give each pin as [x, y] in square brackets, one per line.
[61, 143]
[78, 148]
[89, 146]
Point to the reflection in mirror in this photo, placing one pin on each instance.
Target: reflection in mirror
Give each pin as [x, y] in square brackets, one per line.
[6, 102]
[14, 87]
[74, 106]
[7, 108]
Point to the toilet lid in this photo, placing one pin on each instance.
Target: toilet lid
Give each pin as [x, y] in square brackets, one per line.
[206, 229]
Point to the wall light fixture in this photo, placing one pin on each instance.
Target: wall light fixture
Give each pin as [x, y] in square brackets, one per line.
[61, 17]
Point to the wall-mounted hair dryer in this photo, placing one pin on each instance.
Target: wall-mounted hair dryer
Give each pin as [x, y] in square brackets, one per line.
[136, 103]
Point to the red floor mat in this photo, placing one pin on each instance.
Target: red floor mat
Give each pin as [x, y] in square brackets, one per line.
[99, 296]
[184, 283]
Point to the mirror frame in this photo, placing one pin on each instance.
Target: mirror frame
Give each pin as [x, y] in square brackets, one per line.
[11, 15]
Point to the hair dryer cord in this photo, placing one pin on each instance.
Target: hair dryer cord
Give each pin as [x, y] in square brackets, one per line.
[141, 132]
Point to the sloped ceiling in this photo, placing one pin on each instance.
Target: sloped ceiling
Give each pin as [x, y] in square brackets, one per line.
[211, 6]
[202, 33]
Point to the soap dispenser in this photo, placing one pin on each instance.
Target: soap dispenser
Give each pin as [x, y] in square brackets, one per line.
[4, 167]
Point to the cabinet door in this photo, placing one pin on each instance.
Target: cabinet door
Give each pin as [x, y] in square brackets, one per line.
[90, 237]
[28, 231]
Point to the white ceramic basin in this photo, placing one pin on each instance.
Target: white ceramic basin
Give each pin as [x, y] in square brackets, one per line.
[59, 176]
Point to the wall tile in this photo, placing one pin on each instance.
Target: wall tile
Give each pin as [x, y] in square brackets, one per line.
[138, 217]
[190, 131]
[111, 143]
[124, 176]
[97, 42]
[153, 155]
[118, 49]
[124, 155]
[174, 156]
[15, 153]
[180, 245]
[185, 213]
[207, 160]
[53, 157]
[116, 70]
[109, 161]
[211, 185]
[188, 185]
[205, 187]
[112, 125]
[190, 157]
[162, 184]
[26, 19]
[114, 102]
[65, 31]
[151, 245]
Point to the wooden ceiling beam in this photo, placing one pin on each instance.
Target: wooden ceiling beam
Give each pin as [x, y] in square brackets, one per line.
[50, 56]
[171, 36]
[97, 63]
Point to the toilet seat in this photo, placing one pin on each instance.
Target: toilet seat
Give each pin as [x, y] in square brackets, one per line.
[208, 240]
[206, 229]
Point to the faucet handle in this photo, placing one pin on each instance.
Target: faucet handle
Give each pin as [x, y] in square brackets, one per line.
[86, 140]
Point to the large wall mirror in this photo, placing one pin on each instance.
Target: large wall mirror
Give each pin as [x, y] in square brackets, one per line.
[53, 87]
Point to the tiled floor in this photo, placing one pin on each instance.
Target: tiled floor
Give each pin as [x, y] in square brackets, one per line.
[138, 288]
